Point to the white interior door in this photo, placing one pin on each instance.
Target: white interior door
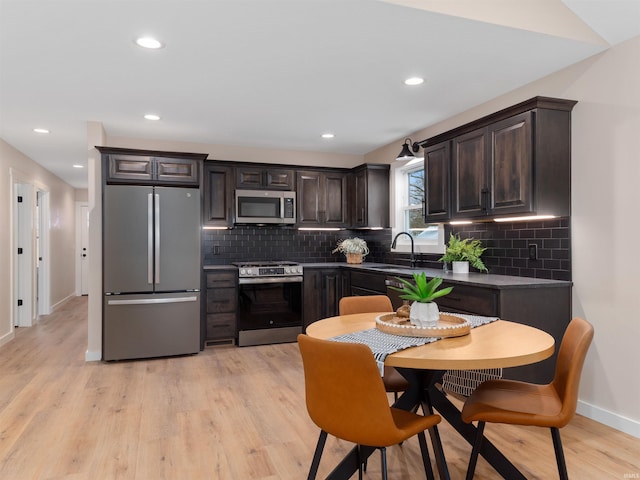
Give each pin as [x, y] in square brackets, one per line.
[23, 235]
[84, 249]
[42, 258]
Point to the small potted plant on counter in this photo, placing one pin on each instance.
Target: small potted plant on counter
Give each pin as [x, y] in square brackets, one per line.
[461, 253]
[424, 311]
[355, 249]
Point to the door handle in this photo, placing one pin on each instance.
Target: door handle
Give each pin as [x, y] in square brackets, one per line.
[150, 238]
[157, 238]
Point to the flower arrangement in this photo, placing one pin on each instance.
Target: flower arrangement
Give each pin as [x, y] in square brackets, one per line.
[467, 250]
[352, 245]
[353, 248]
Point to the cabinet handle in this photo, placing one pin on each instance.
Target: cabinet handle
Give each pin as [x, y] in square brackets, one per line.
[424, 207]
[484, 199]
[362, 215]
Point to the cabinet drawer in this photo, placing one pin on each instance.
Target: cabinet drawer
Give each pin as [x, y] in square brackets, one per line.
[221, 300]
[472, 300]
[222, 325]
[371, 282]
[221, 280]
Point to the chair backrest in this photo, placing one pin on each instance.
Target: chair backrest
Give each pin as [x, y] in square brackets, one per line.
[365, 304]
[344, 392]
[571, 356]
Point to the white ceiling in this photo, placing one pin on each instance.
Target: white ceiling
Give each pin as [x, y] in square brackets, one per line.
[276, 73]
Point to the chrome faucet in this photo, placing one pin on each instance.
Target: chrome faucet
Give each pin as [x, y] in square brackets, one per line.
[413, 257]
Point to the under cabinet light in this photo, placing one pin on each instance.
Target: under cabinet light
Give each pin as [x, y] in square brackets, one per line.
[216, 228]
[322, 229]
[532, 218]
[461, 222]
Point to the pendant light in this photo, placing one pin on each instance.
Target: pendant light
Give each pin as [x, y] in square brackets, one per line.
[406, 154]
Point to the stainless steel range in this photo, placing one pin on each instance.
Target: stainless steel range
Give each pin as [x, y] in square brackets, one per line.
[269, 302]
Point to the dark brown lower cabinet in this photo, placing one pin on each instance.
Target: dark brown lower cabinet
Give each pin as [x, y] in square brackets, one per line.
[321, 293]
[547, 308]
[221, 304]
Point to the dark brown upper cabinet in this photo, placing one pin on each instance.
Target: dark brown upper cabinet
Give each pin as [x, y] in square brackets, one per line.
[146, 167]
[369, 196]
[261, 177]
[218, 195]
[321, 198]
[515, 161]
[437, 161]
[492, 169]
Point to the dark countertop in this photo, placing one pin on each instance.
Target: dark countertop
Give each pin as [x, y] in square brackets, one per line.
[486, 280]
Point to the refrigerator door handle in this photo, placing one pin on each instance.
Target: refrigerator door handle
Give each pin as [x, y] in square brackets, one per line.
[152, 301]
[150, 238]
[157, 237]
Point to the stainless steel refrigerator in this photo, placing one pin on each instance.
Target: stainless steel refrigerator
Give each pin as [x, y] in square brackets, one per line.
[151, 271]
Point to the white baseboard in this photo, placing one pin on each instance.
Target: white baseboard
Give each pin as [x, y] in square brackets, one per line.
[58, 304]
[7, 338]
[613, 420]
[92, 356]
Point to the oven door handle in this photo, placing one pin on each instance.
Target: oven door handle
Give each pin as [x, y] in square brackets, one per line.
[248, 281]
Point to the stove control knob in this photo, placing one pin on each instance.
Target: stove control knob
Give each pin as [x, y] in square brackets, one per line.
[287, 270]
[242, 271]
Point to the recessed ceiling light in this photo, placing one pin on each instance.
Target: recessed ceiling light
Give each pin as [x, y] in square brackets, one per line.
[150, 116]
[148, 42]
[328, 135]
[414, 81]
[78, 166]
[41, 130]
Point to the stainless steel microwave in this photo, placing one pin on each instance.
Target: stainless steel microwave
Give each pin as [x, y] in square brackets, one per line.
[265, 206]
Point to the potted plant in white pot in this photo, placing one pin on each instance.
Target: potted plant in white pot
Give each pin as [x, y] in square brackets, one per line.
[424, 311]
[355, 249]
[461, 253]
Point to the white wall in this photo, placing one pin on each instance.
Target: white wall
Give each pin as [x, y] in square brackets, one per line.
[604, 221]
[62, 231]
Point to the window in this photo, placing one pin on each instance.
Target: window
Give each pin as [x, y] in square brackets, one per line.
[408, 197]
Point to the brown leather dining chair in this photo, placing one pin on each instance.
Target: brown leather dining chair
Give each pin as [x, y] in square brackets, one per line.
[346, 398]
[520, 403]
[393, 381]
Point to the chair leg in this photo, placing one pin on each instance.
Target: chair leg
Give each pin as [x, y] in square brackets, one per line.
[359, 450]
[383, 456]
[313, 471]
[425, 456]
[475, 451]
[557, 446]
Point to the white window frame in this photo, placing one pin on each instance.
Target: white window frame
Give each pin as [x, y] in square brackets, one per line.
[399, 202]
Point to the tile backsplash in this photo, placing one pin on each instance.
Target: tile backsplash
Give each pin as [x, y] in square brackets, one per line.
[507, 246]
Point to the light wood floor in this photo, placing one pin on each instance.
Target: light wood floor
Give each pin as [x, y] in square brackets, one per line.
[226, 413]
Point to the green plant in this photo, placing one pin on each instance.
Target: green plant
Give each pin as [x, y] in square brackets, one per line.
[421, 290]
[468, 250]
[352, 245]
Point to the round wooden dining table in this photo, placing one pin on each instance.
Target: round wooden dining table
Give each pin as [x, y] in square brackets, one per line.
[499, 344]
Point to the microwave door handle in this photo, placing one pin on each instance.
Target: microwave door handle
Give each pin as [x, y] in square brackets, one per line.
[282, 208]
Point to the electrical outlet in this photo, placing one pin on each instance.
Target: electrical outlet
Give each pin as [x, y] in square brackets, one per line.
[533, 251]
[216, 249]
